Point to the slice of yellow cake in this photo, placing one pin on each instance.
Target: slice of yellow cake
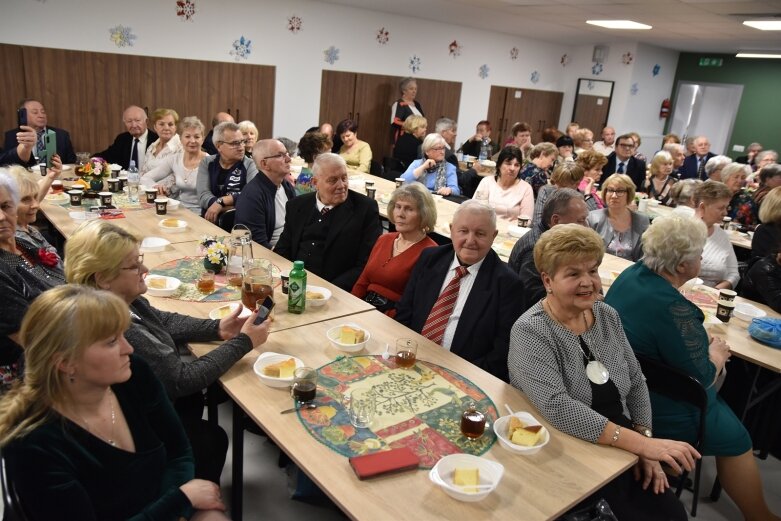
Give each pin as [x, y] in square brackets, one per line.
[526, 435]
[351, 335]
[467, 478]
[282, 369]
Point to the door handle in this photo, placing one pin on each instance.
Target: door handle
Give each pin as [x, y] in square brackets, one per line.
[237, 115]
[357, 119]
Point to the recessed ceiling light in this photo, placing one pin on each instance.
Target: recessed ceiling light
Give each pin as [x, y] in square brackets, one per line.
[618, 24]
[764, 25]
[757, 55]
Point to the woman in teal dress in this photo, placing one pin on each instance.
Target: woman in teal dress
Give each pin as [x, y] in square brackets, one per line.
[661, 324]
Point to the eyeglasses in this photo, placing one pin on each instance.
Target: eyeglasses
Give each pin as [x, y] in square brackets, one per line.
[280, 155]
[438, 149]
[235, 144]
[617, 191]
[138, 267]
[626, 145]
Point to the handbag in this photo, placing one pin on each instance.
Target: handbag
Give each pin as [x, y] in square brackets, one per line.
[599, 511]
[380, 302]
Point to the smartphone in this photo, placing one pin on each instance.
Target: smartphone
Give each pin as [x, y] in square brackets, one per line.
[21, 117]
[264, 310]
[50, 144]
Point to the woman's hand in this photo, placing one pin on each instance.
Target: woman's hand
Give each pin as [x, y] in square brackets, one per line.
[678, 455]
[718, 352]
[445, 191]
[162, 190]
[258, 334]
[588, 186]
[651, 473]
[203, 495]
[213, 213]
[231, 325]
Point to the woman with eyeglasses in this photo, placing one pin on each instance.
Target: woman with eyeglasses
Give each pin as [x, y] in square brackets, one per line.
[620, 228]
[103, 255]
[433, 171]
[164, 122]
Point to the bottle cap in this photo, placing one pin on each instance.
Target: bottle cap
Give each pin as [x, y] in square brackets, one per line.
[298, 265]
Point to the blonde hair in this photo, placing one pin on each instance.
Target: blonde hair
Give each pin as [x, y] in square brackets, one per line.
[567, 174]
[620, 179]
[673, 239]
[27, 186]
[247, 125]
[413, 123]
[567, 243]
[770, 209]
[159, 114]
[96, 247]
[57, 327]
[581, 135]
[543, 149]
[418, 194]
[661, 157]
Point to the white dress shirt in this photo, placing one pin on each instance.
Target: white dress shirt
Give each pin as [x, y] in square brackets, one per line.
[141, 147]
[467, 281]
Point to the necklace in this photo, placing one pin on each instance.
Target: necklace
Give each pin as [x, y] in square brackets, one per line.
[595, 370]
[398, 249]
[110, 440]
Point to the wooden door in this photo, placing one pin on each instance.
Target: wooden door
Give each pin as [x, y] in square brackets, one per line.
[374, 96]
[337, 97]
[250, 99]
[591, 112]
[544, 109]
[439, 99]
[500, 129]
[12, 84]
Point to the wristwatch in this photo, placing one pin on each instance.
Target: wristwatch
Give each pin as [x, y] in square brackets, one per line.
[220, 201]
[645, 431]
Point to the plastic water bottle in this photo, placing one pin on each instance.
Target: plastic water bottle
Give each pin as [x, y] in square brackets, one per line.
[485, 150]
[133, 180]
[296, 293]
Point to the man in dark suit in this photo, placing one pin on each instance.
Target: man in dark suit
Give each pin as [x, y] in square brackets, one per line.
[462, 296]
[208, 142]
[623, 161]
[333, 229]
[23, 152]
[36, 118]
[133, 143]
[694, 165]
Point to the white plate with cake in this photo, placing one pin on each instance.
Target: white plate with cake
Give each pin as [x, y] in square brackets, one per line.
[276, 369]
[521, 433]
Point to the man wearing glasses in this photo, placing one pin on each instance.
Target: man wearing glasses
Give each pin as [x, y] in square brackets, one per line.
[221, 177]
[623, 161]
[262, 204]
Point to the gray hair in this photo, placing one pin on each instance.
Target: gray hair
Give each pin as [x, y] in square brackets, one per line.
[9, 184]
[472, 206]
[682, 192]
[326, 160]
[220, 129]
[418, 194]
[558, 203]
[716, 163]
[290, 145]
[444, 124]
[732, 169]
[405, 82]
[761, 155]
[673, 239]
[431, 141]
[669, 147]
[191, 122]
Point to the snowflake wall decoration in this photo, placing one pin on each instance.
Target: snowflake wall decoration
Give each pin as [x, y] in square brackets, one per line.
[596, 69]
[383, 36]
[185, 10]
[483, 71]
[656, 69]
[454, 49]
[535, 77]
[514, 53]
[635, 89]
[590, 85]
[294, 24]
[565, 59]
[122, 36]
[414, 63]
[331, 55]
[241, 48]
[627, 58]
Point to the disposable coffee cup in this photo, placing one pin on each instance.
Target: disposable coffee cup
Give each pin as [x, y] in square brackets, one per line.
[105, 198]
[113, 185]
[727, 294]
[161, 206]
[523, 221]
[115, 173]
[75, 196]
[285, 276]
[371, 192]
[725, 222]
[122, 181]
[399, 182]
[724, 310]
[151, 195]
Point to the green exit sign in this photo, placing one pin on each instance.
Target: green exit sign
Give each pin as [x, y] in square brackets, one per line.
[711, 62]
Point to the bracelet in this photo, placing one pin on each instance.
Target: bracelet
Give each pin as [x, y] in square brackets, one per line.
[616, 435]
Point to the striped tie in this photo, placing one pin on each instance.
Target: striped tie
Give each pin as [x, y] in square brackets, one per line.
[434, 328]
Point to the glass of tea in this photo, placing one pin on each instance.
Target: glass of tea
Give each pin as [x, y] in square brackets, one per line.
[304, 388]
[472, 422]
[257, 282]
[406, 352]
[206, 282]
[57, 186]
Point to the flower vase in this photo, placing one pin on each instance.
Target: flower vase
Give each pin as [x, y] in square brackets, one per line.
[96, 185]
[216, 268]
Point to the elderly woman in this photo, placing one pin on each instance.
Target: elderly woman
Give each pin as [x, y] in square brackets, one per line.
[765, 158]
[682, 193]
[619, 227]
[406, 149]
[742, 208]
[769, 178]
[566, 175]
[164, 122]
[767, 236]
[662, 324]
[357, 153]
[89, 416]
[311, 145]
[176, 175]
[404, 107]
[541, 158]
[433, 171]
[565, 146]
[719, 264]
[659, 184]
[671, 139]
[103, 255]
[506, 192]
[584, 140]
[715, 165]
[27, 269]
[250, 133]
[221, 177]
[638, 155]
[522, 138]
[569, 355]
[591, 162]
[382, 282]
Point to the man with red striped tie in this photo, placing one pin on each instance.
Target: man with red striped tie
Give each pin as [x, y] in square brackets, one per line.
[462, 296]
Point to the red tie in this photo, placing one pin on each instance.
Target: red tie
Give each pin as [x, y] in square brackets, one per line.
[434, 328]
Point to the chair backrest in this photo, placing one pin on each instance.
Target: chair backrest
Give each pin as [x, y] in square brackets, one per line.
[12, 506]
[227, 219]
[375, 168]
[393, 166]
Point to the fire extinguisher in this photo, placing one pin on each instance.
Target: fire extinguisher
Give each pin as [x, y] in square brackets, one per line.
[665, 110]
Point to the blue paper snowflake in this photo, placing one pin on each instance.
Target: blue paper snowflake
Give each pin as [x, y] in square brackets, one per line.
[483, 72]
[535, 77]
[590, 85]
[122, 36]
[241, 48]
[331, 55]
[656, 69]
[635, 89]
[596, 69]
[514, 53]
[414, 63]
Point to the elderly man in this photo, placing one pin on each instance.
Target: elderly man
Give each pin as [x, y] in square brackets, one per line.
[467, 179]
[222, 177]
[473, 145]
[462, 296]
[21, 154]
[332, 229]
[623, 161]
[694, 165]
[261, 207]
[37, 119]
[131, 145]
[608, 144]
[751, 153]
[678, 153]
[209, 145]
[564, 206]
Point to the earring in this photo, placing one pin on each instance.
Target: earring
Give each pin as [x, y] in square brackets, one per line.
[549, 290]
[72, 376]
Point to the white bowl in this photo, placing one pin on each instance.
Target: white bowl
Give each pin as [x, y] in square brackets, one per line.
[747, 312]
[318, 302]
[173, 205]
[180, 225]
[333, 336]
[223, 311]
[490, 475]
[153, 244]
[171, 285]
[272, 358]
[500, 429]
[517, 231]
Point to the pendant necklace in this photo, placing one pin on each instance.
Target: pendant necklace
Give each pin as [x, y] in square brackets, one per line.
[110, 440]
[595, 370]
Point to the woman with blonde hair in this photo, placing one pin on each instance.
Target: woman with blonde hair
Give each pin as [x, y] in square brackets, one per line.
[164, 122]
[620, 227]
[767, 236]
[660, 182]
[719, 264]
[565, 175]
[89, 433]
[408, 144]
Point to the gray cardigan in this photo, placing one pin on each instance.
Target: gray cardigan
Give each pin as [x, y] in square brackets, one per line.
[598, 220]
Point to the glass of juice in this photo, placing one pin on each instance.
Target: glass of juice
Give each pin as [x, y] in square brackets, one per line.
[257, 282]
[406, 352]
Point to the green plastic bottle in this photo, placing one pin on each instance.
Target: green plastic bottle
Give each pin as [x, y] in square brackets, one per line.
[296, 295]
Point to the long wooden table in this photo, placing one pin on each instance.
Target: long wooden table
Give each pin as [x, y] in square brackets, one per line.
[741, 240]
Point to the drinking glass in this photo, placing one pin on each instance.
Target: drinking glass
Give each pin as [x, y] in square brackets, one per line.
[362, 407]
[304, 388]
[406, 352]
[257, 282]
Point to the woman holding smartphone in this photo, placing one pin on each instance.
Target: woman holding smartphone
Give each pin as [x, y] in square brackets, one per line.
[433, 171]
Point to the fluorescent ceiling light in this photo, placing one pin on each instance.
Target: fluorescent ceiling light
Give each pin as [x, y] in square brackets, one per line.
[757, 55]
[618, 24]
[764, 25]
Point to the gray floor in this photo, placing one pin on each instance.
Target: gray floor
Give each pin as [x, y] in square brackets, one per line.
[266, 493]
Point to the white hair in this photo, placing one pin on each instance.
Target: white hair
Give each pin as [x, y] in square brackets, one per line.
[732, 169]
[327, 160]
[9, 184]
[472, 206]
[432, 140]
[673, 239]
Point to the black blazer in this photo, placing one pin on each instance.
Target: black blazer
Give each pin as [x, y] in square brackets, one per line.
[119, 151]
[689, 167]
[355, 226]
[635, 169]
[64, 145]
[494, 304]
[256, 208]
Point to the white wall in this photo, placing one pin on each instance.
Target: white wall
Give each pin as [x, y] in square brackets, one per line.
[299, 59]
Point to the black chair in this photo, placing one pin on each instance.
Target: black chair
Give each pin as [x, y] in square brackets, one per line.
[677, 385]
[227, 219]
[393, 167]
[13, 510]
